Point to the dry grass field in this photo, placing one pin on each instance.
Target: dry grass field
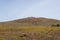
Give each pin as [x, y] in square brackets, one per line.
[30, 33]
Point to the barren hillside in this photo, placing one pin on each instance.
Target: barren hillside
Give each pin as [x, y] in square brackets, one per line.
[30, 21]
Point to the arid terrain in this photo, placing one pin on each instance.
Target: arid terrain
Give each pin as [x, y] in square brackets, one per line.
[30, 28]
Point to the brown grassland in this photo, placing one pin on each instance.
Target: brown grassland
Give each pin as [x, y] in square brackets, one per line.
[30, 33]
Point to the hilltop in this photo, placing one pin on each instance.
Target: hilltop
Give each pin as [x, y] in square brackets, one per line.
[31, 21]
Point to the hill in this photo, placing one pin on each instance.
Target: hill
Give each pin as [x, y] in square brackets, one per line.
[30, 21]
[30, 28]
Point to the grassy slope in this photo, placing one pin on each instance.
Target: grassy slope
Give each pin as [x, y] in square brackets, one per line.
[15, 30]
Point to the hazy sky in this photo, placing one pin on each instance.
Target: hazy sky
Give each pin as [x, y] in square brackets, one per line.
[14, 9]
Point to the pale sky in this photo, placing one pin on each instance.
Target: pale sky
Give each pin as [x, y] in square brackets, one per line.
[16, 9]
